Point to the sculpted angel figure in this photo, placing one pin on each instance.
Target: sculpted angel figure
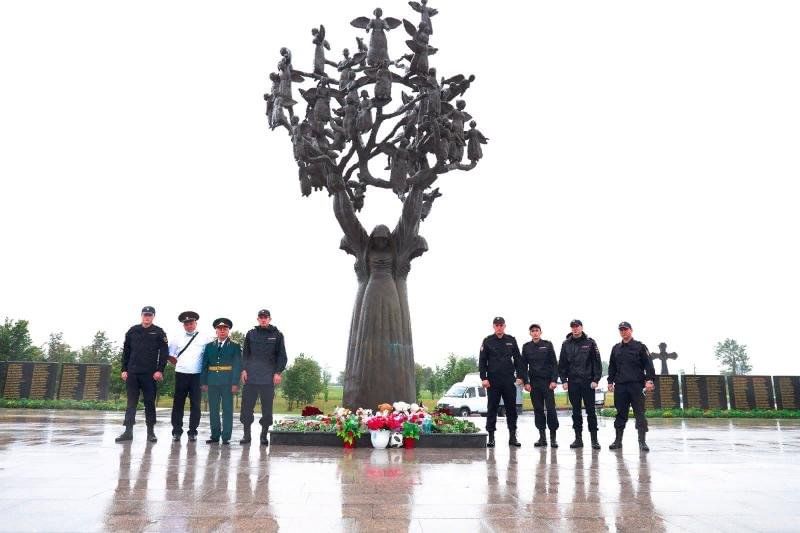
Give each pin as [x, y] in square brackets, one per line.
[419, 45]
[320, 45]
[458, 118]
[378, 49]
[383, 85]
[400, 163]
[287, 76]
[364, 121]
[345, 67]
[272, 95]
[474, 141]
[456, 86]
[426, 12]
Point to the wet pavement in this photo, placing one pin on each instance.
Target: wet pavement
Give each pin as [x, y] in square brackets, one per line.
[62, 471]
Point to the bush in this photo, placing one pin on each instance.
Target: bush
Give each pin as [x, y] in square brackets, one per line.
[92, 405]
[302, 381]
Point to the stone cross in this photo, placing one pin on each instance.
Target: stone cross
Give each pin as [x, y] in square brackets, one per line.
[663, 356]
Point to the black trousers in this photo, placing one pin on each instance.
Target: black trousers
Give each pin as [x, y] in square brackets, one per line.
[543, 398]
[145, 384]
[627, 395]
[506, 390]
[582, 392]
[186, 385]
[250, 395]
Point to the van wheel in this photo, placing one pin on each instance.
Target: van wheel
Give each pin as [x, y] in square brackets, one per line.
[501, 411]
[464, 411]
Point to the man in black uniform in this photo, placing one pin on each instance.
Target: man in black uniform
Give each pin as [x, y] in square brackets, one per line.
[629, 369]
[540, 373]
[144, 356]
[263, 360]
[580, 369]
[499, 364]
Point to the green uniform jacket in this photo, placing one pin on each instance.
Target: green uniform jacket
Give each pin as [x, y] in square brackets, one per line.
[221, 366]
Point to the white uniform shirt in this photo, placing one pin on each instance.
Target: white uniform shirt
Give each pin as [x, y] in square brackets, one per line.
[191, 360]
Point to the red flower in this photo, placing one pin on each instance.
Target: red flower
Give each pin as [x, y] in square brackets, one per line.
[378, 422]
[310, 410]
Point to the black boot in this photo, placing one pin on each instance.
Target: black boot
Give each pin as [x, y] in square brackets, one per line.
[490, 442]
[553, 443]
[246, 436]
[578, 442]
[263, 437]
[595, 444]
[512, 439]
[542, 440]
[617, 444]
[125, 435]
[212, 441]
[642, 444]
[151, 434]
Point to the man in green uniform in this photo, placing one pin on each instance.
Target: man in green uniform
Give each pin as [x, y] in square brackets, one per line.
[222, 362]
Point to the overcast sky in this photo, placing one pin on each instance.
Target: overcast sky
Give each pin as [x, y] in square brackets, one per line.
[642, 166]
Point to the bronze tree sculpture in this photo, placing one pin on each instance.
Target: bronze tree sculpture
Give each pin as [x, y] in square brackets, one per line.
[345, 135]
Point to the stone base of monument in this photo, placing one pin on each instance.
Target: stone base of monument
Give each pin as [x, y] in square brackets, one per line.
[433, 440]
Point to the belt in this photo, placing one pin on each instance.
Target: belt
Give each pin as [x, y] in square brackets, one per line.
[227, 368]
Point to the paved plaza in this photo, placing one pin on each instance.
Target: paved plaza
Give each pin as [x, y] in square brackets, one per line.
[62, 471]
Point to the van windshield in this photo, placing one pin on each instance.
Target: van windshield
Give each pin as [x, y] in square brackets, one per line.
[456, 391]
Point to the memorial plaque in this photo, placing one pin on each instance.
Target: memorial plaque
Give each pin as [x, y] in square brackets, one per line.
[704, 392]
[787, 392]
[84, 381]
[3, 370]
[666, 395]
[26, 379]
[751, 392]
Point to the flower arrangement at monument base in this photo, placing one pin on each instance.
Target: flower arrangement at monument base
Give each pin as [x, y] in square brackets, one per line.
[394, 425]
[349, 426]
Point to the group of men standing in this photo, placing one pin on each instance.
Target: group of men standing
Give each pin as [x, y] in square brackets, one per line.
[217, 365]
[502, 367]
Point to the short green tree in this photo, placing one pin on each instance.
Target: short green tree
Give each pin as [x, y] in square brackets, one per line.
[237, 337]
[15, 342]
[59, 351]
[733, 357]
[326, 383]
[101, 350]
[302, 381]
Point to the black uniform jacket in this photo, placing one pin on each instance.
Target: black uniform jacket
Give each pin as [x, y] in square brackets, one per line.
[539, 361]
[499, 358]
[630, 363]
[579, 360]
[145, 350]
[263, 354]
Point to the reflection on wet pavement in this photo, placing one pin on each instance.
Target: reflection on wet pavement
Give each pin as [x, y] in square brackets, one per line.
[62, 471]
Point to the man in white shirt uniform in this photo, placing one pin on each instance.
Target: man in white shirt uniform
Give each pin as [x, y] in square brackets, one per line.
[186, 353]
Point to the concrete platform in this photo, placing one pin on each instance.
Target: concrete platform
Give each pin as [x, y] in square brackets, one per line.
[62, 471]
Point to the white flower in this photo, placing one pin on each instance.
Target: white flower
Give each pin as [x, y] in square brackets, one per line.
[414, 408]
[400, 406]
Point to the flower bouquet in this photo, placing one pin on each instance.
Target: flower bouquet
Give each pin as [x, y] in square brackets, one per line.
[310, 410]
[411, 431]
[379, 430]
[348, 426]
